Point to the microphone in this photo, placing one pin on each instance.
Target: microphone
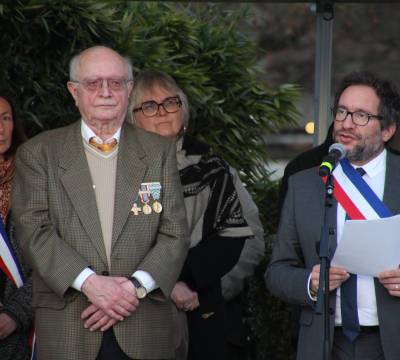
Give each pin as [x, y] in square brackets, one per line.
[336, 153]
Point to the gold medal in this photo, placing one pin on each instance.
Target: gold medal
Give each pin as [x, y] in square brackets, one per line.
[136, 209]
[157, 207]
[147, 209]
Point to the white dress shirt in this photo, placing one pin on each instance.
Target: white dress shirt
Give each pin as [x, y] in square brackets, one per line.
[375, 172]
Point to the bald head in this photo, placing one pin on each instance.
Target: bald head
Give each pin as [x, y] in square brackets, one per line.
[97, 53]
[101, 82]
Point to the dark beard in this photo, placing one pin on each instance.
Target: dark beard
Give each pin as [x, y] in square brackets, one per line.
[364, 153]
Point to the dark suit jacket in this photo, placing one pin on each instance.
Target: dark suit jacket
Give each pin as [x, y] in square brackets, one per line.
[295, 254]
[58, 227]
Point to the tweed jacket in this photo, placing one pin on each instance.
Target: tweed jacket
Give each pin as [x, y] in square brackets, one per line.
[295, 254]
[58, 227]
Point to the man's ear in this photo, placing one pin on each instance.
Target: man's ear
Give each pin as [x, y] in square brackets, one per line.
[130, 87]
[73, 89]
[388, 132]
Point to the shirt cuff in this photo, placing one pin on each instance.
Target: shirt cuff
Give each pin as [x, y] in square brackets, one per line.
[313, 298]
[80, 279]
[146, 280]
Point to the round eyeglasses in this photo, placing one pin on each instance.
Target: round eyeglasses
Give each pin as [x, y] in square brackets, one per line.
[360, 118]
[96, 84]
[151, 108]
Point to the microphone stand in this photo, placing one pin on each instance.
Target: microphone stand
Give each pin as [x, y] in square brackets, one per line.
[322, 305]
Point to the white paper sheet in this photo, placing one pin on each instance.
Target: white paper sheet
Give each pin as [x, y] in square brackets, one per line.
[368, 247]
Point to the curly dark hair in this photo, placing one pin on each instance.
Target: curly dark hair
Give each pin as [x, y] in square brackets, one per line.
[18, 134]
[389, 98]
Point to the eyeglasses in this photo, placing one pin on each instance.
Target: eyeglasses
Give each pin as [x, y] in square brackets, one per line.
[360, 118]
[96, 84]
[151, 108]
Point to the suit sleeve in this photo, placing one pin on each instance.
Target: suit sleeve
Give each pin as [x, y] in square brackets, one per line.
[286, 276]
[55, 261]
[165, 259]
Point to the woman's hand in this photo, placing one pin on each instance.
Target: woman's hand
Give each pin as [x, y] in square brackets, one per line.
[7, 325]
[184, 298]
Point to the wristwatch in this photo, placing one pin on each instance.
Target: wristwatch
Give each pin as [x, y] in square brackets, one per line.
[141, 291]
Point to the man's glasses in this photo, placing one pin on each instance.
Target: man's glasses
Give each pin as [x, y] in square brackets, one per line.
[360, 118]
[96, 84]
[150, 108]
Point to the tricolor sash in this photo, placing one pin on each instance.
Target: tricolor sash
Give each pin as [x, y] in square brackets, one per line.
[8, 260]
[355, 196]
[10, 265]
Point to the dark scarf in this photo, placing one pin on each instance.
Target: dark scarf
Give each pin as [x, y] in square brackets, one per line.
[6, 175]
[209, 170]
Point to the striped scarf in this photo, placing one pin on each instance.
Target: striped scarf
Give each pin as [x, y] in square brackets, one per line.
[200, 169]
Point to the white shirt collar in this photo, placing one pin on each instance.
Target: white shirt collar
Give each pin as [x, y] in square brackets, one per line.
[88, 133]
[376, 165]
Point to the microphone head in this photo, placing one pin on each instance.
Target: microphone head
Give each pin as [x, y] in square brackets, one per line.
[339, 149]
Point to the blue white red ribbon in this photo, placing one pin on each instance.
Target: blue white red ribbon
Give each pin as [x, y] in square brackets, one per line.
[10, 265]
[8, 260]
[355, 195]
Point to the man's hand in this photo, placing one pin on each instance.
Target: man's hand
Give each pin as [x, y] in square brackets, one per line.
[96, 319]
[111, 295]
[337, 276]
[7, 325]
[391, 281]
[184, 298]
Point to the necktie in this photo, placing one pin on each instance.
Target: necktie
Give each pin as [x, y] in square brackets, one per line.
[348, 300]
[105, 147]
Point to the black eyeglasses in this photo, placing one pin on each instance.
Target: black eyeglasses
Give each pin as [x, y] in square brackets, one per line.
[360, 118]
[170, 105]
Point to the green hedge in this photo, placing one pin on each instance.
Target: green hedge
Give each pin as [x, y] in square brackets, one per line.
[202, 47]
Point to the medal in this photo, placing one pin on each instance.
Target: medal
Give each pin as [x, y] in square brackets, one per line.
[146, 209]
[145, 198]
[157, 207]
[136, 209]
[155, 189]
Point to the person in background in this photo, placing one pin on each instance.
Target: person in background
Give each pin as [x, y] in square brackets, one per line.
[365, 310]
[233, 283]
[103, 271]
[305, 160]
[16, 314]
[216, 224]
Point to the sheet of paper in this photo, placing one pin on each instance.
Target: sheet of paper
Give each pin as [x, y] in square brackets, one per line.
[368, 247]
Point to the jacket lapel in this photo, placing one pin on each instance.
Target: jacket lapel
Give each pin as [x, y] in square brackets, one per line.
[77, 182]
[131, 170]
[392, 181]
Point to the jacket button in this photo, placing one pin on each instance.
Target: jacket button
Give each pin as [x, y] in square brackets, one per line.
[331, 311]
[105, 273]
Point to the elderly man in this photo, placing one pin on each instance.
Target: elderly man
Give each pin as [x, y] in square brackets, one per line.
[365, 311]
[98, 212]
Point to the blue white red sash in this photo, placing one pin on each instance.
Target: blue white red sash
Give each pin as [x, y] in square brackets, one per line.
[8, 260]
[355, 196]
[10, 265]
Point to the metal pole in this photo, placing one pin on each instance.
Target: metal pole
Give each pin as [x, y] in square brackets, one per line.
[323, 64]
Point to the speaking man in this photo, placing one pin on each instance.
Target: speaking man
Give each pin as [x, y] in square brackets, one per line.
[99, 215]
[365, 311]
